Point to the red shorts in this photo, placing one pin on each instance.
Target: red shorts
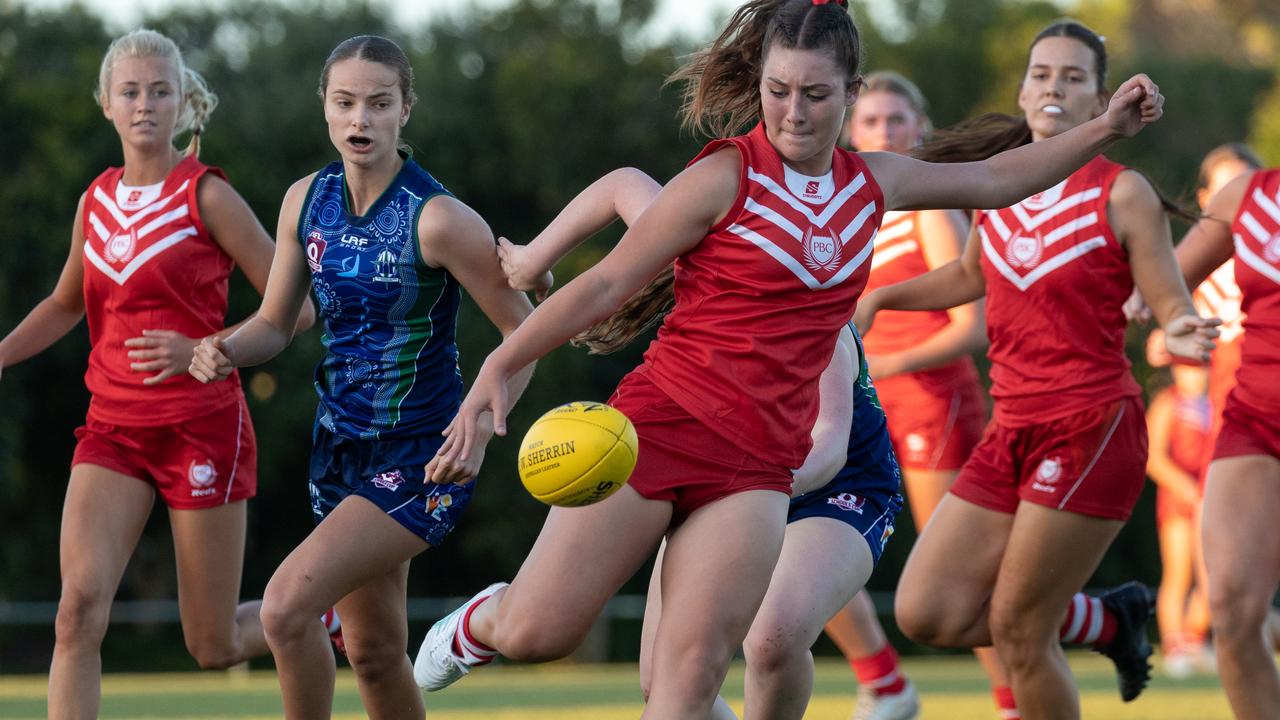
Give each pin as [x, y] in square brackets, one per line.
[1169, 507]
[1246, 431]
[199, 463]
[932, 428]
[1091, 463]
[681, 460]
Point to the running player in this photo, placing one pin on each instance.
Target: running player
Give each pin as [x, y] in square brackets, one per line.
[387, 250]
[152, 247]
[1178, 423]
[844, 497]
[726, 398]
[1242, 499]
[1061, 464]
[928, 384]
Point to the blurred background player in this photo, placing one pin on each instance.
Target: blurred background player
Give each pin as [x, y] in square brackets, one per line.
[927, 384]
[1062, 463]
[1178, 426]
[152, 247]
[388, 251]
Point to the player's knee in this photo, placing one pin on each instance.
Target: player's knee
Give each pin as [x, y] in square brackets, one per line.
[282, 620]
[211, 654]
[374, 663]
[922, 622]
[1236, 611]
[82, 617]
[772, 652]
[1021, 640]
[528, 640]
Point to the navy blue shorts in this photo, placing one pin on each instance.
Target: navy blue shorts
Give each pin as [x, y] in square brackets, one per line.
[867, 500]
[389, 474]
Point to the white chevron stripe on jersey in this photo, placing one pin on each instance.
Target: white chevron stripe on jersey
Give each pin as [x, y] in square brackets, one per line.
[856, 224]
[105, 235]
[893, 216]
[1031, 222]
[794, 265]
[1251, 259]
[888, 255]
[127, 221]
[998, 223]
[1067, 228]
[1022, 282]
[1254, 227]
[893, 231]
[821, 219]
[765, 213]
[1267, 204]
[141, 259]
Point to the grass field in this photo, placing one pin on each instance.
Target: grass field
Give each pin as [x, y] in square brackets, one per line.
[952, 689]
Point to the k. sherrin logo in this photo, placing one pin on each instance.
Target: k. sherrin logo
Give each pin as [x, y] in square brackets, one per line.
[821, 252]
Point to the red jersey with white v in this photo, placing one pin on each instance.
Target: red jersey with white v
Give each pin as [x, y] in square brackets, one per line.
[1056, 280]
[899, 256]
[150, 268]
[761, 299]
[1256, 233]
[1219, 296]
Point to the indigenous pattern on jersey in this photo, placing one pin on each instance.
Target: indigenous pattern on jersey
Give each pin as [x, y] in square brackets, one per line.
[391, 366]
[761, 299]
[1219, 296]
[866, 492]
[1256, 232]
[151, 268]
[1056, 280]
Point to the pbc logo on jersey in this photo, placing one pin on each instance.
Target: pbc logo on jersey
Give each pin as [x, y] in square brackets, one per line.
[315, 250]
[120, 247]
[821, 252]
[1024, 252]
[848, 502]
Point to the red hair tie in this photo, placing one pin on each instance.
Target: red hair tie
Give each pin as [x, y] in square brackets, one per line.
[841, 3]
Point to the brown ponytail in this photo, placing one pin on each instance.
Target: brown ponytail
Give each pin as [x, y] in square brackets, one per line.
[722, 82]
[644, 309]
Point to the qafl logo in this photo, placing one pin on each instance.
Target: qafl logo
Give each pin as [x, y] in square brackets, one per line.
[848, 502]
[1024, 252]
[202, 475]
[1271, 251]
[120, 247]
[821, 252]
[315, 250]
[388, 480]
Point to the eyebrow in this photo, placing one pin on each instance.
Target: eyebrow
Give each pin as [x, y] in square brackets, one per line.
[373, 96]
[815, 86]
[1047, 66]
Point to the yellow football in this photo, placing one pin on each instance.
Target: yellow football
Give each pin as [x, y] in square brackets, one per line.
[577, 454]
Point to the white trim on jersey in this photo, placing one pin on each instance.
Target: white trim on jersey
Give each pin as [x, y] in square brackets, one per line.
[821, 219]
[1022, 282]
[1268, 206]
[1031, 222]
[893, 230]
[886, 256]
[141, 259]
[794, 265]
[126, 221]
[1251, 259]
[1069, 227]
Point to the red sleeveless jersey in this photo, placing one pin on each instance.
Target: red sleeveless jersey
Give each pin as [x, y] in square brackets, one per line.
[899, 256]
[153, 268]
[1189, 431]
[1219, 296]
[1256, 232]
[761, 299]
[1056, 279]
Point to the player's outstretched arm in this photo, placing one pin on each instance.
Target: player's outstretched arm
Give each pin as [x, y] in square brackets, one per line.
[623, 193]
[54, 316]
[678, 219]
[271, 329]
[1013, 175]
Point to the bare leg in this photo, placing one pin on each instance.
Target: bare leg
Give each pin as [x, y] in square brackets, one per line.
[218, 633]
[376, 629]
[1242, 552]
[1177, 562]
[1038, 577]
[102, 519]
[356, 548]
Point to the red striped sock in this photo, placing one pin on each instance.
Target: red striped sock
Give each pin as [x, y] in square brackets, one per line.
[466, 646]
[880, 672]
[1005, 704]
[1087, 623]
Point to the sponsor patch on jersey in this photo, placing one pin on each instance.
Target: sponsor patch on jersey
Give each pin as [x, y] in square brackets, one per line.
[848, 502]
[388, 480]
[385, 268]
[315, 250]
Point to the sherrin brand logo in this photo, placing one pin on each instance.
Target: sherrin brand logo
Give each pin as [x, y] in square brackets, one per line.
[811, 187]
[1047, 474]
[848, 502]
[821, 252]
[315, 250]
[202, 475]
